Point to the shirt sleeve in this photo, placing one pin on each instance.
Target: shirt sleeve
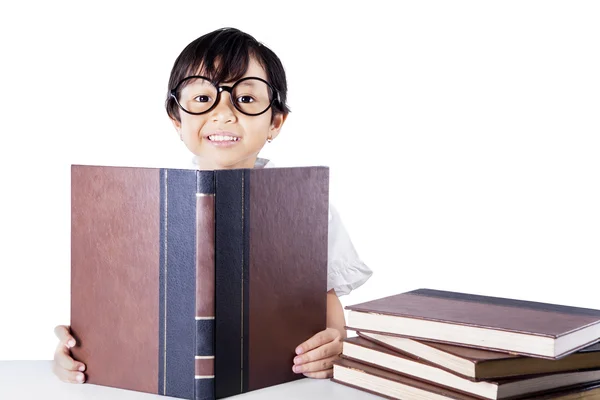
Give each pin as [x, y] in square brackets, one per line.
[345, 270]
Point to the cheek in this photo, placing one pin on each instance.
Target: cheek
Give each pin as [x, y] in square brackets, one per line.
[190, 129]
[258, 128]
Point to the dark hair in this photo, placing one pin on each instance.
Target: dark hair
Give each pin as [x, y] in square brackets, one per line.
[232, 49]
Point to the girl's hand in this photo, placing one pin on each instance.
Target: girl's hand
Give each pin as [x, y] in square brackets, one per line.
[316, 355]
[65, 367]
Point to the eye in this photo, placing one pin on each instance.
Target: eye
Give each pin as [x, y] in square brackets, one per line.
[202, 99]
[245, 99]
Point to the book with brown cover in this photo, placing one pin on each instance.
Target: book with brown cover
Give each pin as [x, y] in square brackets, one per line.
[388, 384]
[401, 387]
[478, 364]
[369, 353]
[588, 392]
[522, 327]
[196, 284]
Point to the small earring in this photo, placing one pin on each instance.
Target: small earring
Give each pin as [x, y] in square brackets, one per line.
[269, 140]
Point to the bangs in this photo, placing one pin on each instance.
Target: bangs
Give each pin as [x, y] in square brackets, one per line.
[224, 56]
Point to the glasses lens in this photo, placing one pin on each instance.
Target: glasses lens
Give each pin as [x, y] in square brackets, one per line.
[252, 96]
[197, 96]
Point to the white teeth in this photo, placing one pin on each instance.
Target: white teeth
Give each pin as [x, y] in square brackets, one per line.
[221, 138]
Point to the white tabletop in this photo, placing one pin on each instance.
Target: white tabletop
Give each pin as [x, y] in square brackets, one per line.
[29, 380]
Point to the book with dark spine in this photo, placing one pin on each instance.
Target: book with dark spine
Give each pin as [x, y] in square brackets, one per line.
[196, 284]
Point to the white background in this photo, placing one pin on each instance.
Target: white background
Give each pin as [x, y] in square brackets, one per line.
[462, 136]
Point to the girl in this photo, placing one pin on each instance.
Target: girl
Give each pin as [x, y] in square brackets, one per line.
[228, 130]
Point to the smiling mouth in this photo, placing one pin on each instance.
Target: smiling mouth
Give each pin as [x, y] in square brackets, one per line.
[223, 138]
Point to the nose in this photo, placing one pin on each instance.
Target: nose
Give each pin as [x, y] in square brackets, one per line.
[224, 111]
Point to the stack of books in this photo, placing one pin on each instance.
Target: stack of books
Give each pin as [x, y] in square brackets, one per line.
[432, 344]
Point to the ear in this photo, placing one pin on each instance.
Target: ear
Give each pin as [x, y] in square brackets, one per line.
[277, 124]
[177, 125]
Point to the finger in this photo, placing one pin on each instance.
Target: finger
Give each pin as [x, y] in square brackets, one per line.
[327, 350]
[63, 359]
[317, 340]
[67, 376]
[320, 375]
[62, 333]
[315, 366]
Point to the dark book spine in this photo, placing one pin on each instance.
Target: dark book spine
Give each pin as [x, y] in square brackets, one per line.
[205, 287]
[177, 277]
[232, 188]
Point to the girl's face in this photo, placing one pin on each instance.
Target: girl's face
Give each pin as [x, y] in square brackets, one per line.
[225, 138]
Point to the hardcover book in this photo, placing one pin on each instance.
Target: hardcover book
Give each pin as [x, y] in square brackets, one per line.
[401, 387]
[196, 284]
[493, 323]
[369, 353]
[478, 364]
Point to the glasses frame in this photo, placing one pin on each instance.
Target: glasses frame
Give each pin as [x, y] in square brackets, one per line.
[224, 88]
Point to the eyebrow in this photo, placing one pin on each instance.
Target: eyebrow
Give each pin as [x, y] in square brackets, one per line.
[248, 83]
[201, 81]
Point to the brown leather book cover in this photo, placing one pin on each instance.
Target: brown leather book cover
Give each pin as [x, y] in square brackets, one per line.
[401, 387]
[493, 323]
[486, 364]
[370, 353]
[196, 284]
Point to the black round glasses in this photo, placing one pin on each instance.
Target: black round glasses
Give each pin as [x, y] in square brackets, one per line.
[198, 95]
